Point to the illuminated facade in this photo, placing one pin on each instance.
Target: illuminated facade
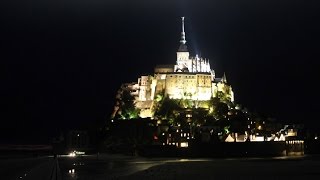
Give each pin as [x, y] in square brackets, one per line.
[190, 78]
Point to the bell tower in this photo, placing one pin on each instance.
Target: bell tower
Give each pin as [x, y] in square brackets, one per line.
[182, 53]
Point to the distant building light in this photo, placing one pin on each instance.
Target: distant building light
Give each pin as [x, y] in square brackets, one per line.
[80, 152]
[72, 154]
[258, 138]
[282, 138]
[184, 144]
[71, 171]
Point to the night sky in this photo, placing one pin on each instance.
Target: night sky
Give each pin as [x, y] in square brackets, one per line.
[63, 61]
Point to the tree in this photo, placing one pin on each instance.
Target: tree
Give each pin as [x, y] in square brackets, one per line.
[127, 106]
[168, 108]
[224, 97]
[199, 116]
[219, 109]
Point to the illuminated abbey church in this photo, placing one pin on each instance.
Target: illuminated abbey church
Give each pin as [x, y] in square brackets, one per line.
[190, 78]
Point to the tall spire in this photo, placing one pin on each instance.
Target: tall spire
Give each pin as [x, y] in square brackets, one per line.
[183, 46]
[183, 34]
[224, 78]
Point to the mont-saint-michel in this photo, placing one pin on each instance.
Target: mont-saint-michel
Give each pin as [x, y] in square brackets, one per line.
[188, 102]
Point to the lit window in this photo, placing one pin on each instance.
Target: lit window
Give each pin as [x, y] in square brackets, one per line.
[184, 144]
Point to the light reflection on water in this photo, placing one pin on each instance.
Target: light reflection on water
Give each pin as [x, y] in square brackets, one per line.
[117, 167]
[163, 160]
[147, 168]
[290, 157]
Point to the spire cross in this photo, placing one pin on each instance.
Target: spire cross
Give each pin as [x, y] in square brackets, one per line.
[182, 18]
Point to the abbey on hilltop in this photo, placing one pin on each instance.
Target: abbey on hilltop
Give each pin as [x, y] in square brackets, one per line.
[186, 103]
[191, 78]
